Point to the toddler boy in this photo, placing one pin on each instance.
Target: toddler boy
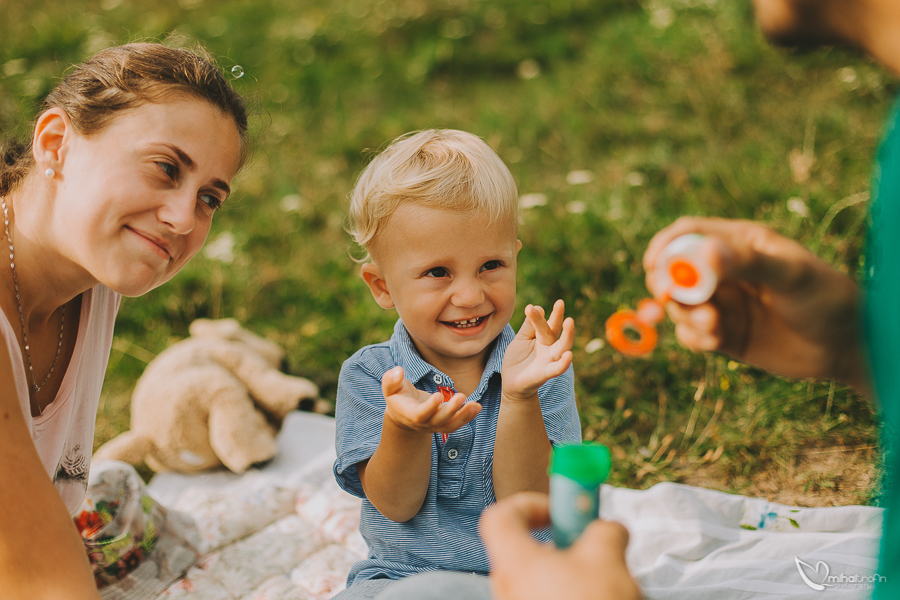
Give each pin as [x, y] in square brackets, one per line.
[455, 410]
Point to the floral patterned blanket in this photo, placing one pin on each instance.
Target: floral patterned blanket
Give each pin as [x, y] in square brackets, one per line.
[282, 532]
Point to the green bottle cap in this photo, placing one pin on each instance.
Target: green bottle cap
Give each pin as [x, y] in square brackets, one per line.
[588, 463]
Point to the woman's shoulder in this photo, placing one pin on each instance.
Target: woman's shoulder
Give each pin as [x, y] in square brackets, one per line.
[99, 306]
[97, 313]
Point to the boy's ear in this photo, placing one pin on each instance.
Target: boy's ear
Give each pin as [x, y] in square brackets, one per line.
[373, 277]
[518, 246]
[51, 132]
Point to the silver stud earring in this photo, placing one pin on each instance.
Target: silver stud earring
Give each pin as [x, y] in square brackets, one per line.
[50, 173]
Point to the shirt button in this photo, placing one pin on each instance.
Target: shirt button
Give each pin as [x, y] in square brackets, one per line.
[438, 379]
[452, 453]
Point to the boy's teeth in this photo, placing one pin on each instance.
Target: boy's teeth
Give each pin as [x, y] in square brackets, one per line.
[467, 322]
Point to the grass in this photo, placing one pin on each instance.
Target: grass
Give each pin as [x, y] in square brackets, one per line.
[671, 107]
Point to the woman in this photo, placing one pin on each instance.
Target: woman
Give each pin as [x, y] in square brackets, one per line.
[132, 155]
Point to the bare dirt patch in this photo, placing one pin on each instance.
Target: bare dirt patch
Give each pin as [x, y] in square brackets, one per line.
[836, 476]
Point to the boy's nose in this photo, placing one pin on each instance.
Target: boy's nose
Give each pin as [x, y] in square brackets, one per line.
[468, 294]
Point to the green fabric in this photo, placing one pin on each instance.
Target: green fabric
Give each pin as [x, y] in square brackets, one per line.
[881, 316]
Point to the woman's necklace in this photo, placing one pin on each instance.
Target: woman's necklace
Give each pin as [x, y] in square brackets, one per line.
[62, 320]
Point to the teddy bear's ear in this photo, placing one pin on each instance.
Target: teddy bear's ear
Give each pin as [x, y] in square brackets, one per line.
[220, 328]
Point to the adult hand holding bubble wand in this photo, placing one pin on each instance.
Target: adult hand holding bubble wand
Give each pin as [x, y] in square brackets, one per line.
[681, 273]
[775, 305]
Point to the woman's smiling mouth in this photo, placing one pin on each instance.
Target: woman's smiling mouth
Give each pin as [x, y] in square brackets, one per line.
[161, 247]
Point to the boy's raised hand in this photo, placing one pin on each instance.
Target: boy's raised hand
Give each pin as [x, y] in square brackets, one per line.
[414, 410]
[541, 350]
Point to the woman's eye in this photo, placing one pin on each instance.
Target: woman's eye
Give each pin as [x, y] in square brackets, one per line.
[491, 265]
[210, 200]
[168, 168]
[437, 272]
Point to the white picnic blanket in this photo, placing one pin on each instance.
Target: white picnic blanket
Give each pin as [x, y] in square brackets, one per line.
[288, 532]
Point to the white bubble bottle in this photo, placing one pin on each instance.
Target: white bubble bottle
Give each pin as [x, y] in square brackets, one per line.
[683, 273]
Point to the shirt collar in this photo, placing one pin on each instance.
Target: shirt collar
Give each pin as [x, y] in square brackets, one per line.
[406, 356]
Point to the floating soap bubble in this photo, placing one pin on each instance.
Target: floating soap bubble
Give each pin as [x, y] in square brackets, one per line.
[237, 71]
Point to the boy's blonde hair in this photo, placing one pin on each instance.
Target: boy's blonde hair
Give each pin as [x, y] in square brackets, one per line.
[437, 168]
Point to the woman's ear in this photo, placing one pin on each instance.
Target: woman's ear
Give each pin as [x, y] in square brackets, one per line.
[51, 132]
[373, 277]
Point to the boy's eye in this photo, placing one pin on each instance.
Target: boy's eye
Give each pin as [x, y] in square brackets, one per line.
[491, 265]
[437, 272]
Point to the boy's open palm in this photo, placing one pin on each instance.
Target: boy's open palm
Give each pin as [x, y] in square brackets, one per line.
[412, 409]
[541, 350]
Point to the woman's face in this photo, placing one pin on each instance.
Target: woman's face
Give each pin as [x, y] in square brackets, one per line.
[135, 202]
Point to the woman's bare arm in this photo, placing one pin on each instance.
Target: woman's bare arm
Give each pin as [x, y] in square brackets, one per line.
[42, 556]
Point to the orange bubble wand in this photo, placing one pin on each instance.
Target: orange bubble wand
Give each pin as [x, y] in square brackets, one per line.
[684, 275]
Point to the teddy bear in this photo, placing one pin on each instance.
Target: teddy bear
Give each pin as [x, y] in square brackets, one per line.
[215, 398]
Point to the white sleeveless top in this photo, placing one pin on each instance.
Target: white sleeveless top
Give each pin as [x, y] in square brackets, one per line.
[64, 433]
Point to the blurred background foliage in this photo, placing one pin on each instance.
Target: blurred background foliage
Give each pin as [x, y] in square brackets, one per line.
[615, 117]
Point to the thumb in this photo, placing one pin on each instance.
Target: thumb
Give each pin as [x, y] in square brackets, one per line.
[740, 251]
[505, 526]
[392, 382]
[522, 511]
[602, 541]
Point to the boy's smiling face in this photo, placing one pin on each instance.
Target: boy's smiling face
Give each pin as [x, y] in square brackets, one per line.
[451, 277]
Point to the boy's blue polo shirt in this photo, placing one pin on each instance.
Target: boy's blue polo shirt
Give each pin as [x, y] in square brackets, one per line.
[444, 534]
